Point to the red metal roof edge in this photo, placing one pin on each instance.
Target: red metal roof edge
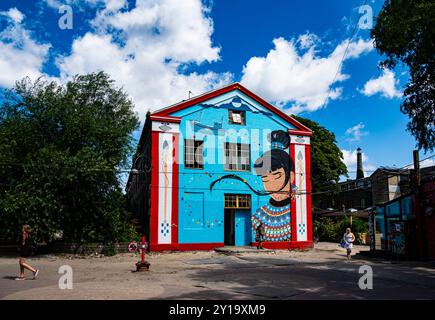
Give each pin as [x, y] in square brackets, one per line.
[233, 86]
[172, 119]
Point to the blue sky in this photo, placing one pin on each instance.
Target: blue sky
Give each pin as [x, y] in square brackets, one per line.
[288, 52]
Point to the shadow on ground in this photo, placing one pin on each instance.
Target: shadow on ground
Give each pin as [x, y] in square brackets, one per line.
[266, 278]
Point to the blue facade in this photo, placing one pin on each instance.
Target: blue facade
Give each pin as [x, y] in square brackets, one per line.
[218, 197]
[201, 211]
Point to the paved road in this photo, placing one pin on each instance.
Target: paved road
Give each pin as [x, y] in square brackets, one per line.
[322, 273]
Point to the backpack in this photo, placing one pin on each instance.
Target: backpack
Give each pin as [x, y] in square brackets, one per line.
[33, 245]
[343, 243]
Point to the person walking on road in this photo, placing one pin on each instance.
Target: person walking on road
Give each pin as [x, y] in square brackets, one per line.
[348, 239]
[26, 248]
[259, 235]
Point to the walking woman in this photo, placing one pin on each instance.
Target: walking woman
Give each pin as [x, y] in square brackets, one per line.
[259, 235]
[348, 238]
[25, 248]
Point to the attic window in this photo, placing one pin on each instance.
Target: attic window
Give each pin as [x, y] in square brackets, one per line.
[193, 154]
[236, 117]
[237, 201]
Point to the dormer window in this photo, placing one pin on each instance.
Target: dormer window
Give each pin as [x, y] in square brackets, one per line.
[236, 117]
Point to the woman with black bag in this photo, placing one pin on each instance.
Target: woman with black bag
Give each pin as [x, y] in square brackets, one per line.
[26, 248]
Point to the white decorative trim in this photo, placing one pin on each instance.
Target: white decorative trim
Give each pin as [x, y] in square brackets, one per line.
[165, 127]
[165, 187]
[299, 139]
[301, 197]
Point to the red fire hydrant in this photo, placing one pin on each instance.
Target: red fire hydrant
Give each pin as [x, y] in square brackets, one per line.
[143, 265]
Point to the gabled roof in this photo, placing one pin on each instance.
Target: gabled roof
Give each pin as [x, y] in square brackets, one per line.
[166, 112]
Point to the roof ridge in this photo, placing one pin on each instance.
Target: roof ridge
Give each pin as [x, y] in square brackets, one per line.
[300, 128]
[195, 97]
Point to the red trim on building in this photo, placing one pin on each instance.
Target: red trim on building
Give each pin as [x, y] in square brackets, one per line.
[165, 119]
[285, 245]
[154, 216]
[273, 245]
[293, 200]
[174, 215]
[185, 246]
[308, 197]
[235, 86]
[299, 132]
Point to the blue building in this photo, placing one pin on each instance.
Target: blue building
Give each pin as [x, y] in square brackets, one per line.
[210, 169]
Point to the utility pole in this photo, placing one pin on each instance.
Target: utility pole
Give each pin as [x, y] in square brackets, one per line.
[416, 169]
[420, 218]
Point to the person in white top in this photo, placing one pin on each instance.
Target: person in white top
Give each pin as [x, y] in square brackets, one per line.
[348, 238]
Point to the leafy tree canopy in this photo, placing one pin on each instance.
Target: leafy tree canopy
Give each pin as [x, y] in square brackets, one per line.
[326, 157]
[61, 147]
[405, 32]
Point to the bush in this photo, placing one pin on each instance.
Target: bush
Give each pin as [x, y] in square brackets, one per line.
[324, 229]
[329, 229]
[61, 147]
[109, 250]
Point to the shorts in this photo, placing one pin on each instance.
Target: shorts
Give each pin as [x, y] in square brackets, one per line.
[25, 254]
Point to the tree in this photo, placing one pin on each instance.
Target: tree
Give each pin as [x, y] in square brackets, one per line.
[326, 157]
[60, 150]
[405, 32]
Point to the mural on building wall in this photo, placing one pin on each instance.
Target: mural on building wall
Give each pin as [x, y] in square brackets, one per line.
[165, 193]
[276, 170]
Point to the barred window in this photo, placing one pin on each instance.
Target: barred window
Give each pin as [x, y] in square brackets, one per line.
[237, 201]
[193, 154]
[236, 117]
[237, 156]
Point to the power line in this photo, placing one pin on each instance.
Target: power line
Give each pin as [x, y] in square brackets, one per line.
[340, 65]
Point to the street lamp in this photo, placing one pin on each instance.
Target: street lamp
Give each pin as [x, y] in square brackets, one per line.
[141, 265]
[135, 171]
[351, 210]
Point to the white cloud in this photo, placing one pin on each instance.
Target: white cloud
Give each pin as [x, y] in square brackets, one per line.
[384, 84]
[293, 72]
[155, 41]
[356, 132]
[20, 55]
[55, 4]
[350, 160]
[427, 163]
[79, 4]
[308, 40]
[13, 13]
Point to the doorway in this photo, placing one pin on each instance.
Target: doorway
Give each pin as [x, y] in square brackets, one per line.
[243, 229]
[237, 227]
[229, 230]
[237, 220]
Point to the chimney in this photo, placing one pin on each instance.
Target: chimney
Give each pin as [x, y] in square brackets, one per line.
[359, 166]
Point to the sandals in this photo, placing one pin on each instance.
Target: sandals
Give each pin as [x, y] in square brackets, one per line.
[20, 278]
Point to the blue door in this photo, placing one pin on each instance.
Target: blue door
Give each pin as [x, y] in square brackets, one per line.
[242, 228]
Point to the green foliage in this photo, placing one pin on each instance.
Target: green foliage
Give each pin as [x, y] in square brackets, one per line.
[329, 229]
[325, 229]
[326, 157]
[109, 250]
[405, 32]
[60, 147]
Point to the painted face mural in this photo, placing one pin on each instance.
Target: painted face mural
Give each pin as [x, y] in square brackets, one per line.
[276, 170]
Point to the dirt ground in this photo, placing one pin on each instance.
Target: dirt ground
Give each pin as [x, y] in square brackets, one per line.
[321, 273]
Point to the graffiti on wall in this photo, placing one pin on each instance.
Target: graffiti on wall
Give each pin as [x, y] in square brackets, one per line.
[276, 169]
